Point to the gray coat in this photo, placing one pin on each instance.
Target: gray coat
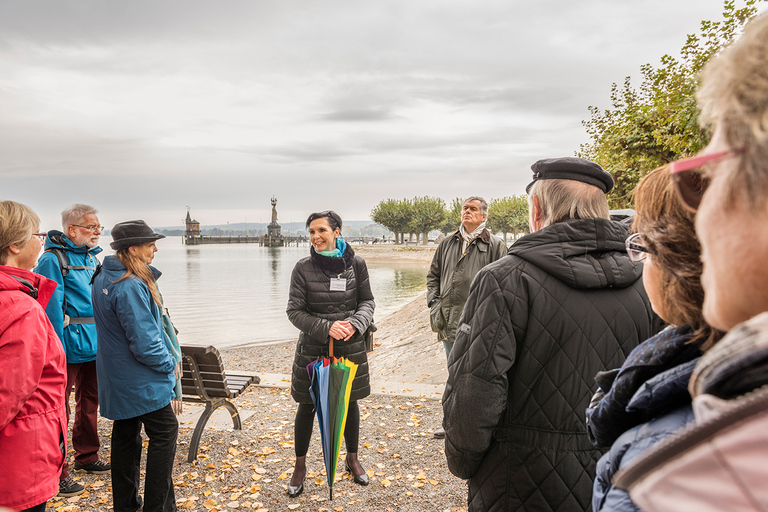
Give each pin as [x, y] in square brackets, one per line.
[313, 307]
[565, 303]
[450, 275]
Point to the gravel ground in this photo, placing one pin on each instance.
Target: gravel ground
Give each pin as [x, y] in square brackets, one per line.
[250, 469]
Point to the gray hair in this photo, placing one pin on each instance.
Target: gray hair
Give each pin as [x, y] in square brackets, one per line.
[483, 204]
[734, 96]
[74, 213]
[561, 200]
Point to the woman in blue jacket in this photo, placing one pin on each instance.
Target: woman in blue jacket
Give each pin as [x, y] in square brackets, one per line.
[647, 399]
[136, 369]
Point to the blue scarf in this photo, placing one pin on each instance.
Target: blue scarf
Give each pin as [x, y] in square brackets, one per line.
[341, 246]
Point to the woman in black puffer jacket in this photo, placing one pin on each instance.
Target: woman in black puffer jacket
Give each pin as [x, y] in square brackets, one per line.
[330, 296]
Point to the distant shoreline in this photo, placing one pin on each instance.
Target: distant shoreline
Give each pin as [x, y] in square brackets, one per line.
[387, 252]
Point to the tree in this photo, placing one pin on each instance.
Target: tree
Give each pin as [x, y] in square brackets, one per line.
[394, 215]
[508, 215]
[656, 123]
[428, 214]
[452, 217]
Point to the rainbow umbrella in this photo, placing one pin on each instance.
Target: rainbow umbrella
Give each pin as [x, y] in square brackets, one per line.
[330, 387]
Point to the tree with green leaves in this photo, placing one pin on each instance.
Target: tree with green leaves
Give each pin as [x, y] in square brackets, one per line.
[651, 125]
[428, 214]
[394, 215]
[508, 215]
[452, 217]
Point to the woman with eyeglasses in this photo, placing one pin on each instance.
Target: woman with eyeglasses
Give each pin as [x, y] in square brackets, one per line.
[330, 297]
[33, 375]
[647, 400]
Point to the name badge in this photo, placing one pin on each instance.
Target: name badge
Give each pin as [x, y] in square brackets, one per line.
[338, 284]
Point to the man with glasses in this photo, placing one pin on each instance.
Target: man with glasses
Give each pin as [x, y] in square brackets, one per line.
[565, 303]
[70, 260]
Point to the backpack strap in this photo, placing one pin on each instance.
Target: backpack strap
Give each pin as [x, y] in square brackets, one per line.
[65, 267]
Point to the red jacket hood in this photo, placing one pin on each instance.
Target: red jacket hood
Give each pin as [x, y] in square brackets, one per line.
[42, 285]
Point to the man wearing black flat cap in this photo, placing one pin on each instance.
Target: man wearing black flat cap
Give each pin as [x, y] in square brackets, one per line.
[136, 369]
[565, 303]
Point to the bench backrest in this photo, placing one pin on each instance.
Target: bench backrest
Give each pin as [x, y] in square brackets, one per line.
[211, 369]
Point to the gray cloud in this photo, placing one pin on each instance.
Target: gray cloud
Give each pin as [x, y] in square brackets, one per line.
[143, 108]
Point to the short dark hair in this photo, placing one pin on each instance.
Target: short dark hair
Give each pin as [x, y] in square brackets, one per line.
[333, 218]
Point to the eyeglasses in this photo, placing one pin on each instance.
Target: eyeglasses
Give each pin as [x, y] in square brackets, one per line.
[41, 236]
[690, 182]
[90, 228]
[636, 249]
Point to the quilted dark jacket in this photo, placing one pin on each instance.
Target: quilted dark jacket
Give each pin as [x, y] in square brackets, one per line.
[565, 303]
[313, 307]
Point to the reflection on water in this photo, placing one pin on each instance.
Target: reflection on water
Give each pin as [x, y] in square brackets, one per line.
[230, 295]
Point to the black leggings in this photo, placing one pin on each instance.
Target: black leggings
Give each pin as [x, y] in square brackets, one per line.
[305, 422]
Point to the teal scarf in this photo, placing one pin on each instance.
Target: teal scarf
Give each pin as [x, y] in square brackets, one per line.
[341, 246]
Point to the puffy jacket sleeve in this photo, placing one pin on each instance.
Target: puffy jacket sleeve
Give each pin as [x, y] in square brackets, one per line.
[22, 358]
[298, 309]
[363, 316]
[145, 335]
[476, 392]
[48, 266]
[433, 276]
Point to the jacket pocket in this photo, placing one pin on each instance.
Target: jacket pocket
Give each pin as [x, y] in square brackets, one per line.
[436, 318]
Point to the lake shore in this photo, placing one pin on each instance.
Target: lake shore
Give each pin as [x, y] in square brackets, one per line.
[388, 252]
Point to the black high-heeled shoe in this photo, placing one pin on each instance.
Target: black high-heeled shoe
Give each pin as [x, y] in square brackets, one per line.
[294, 492]
[359, 479]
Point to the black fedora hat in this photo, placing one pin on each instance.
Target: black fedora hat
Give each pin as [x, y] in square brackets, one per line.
[132, 232]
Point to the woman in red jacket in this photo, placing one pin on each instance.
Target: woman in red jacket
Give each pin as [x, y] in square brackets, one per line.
[33, 375]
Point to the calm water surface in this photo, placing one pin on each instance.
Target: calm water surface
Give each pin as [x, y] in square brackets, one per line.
[235, 295]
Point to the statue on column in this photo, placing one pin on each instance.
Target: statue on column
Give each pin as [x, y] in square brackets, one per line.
[275, 237]
[274, 210]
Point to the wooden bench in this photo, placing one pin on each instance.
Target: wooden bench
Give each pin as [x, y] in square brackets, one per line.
[205, 381]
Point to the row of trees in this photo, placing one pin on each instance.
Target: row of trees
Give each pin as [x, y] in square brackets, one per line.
[420, 215]
[655, 123]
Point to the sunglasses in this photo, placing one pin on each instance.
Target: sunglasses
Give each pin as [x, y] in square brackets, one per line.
[636, 249]
[689, 179]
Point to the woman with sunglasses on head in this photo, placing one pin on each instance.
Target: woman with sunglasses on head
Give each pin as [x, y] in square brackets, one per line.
[33, 371]
[719, 462]
[330, 297]
[136, 369]
[647, 399]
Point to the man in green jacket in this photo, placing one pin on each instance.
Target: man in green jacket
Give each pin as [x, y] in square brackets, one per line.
[457, 259]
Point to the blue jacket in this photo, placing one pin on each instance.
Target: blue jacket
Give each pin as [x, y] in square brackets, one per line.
[79, 340]
[647, 402]
[134, 365]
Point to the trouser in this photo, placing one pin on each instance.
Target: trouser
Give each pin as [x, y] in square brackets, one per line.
[162, 428]
[305, 422]
[448, 346]
[85, 434]
[36, 508]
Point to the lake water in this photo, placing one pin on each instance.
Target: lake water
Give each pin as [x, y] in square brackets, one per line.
[234, 295]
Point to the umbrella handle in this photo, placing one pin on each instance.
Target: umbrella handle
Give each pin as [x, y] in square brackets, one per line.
[330, 347]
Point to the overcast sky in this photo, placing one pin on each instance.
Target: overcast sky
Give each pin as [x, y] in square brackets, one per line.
[143, 108]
